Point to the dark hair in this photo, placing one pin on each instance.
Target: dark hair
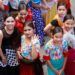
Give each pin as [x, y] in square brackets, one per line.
[57, 30]
[68, 16]
[30, 24]
[22, 5]
[10, 15]
[61, 4]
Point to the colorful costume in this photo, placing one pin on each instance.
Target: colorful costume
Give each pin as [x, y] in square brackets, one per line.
[56, 55]
[34, 68]
[70, 65]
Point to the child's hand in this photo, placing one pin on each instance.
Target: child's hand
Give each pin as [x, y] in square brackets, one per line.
[57, 72]
[20, 57]
[4, 60]
[34, 39]
[60, 72]
[34, 52]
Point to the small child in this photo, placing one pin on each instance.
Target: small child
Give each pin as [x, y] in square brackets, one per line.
[58, 19]
[30, 45]
[56, 53]
[69, 35]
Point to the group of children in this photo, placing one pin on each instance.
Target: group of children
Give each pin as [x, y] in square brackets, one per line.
[21, 40]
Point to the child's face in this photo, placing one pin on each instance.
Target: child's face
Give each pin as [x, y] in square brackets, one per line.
[69, 24]
[23, 14]
[61, 11]
[58, 37]
[10, 23]
[28, 31]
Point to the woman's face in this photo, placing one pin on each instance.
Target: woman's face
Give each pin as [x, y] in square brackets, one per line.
[22, 14]
[69, 24]
[28, 31]
[61, 11]
[10, 23]
[58, 37]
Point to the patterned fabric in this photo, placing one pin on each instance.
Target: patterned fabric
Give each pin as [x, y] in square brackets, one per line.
[70, 39]
[55, 52]
[39, 23]
[56, 55]
[11, 58]
[26, 49]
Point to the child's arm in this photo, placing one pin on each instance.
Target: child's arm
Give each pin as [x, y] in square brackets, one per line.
[35, 47]
[65, 54]
[19, 53]
[47, 28]
[1, 53]
[60, 71]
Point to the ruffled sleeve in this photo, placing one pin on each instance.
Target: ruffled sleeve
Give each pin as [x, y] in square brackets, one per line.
[65, 48]
[47, 52]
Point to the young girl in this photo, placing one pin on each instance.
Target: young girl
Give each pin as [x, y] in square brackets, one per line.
[9, 44]
[36, 7]
[56, 53]
[20, 20]
[70, 37]
[22, 17]
[68, 3]
[30, 47]
[58, 19]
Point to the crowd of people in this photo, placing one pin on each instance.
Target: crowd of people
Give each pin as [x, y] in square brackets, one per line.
[22, 32]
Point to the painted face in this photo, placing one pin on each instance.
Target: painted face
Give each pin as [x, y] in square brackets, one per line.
[61, 11]
[58, 37]
[28, 31]
[23, 14]
[10, 23]
[69, 24]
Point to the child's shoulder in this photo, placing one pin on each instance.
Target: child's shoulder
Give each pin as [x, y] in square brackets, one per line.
[64, 43]
[56, 17]
[49, 44]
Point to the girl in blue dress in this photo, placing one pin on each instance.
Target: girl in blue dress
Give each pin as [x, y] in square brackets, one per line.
[36, 7]
[56, 53]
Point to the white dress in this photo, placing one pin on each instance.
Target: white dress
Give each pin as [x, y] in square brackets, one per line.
[70, 37]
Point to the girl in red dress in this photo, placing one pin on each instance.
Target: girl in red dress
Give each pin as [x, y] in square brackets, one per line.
[70, 37]
[23, 16]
